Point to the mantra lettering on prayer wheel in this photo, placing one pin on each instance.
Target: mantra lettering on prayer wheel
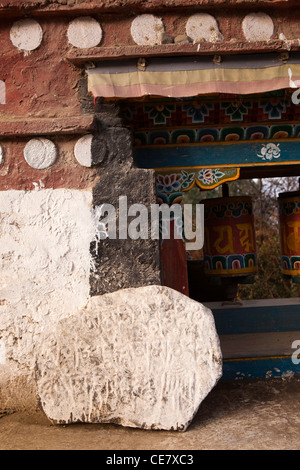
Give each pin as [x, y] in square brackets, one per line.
[230, 245]
[289, 218]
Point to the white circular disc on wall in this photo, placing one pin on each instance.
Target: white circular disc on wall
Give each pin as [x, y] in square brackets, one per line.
[26, 35]
[83, 150]
[84, 32]
[203, 27]
[147, 30]
[258, 27]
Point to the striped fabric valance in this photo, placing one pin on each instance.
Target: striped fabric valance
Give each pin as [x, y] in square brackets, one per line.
[178, 77]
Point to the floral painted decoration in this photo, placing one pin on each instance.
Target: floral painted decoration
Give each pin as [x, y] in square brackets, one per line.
[269, 151]
[210, 175]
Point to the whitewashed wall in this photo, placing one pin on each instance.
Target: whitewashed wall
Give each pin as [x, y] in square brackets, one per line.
[45, 264]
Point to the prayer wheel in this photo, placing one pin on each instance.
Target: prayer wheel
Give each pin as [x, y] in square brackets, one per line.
[289, 221]
[230, 245]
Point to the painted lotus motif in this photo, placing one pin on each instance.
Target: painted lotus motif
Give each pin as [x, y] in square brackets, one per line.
[269, 151]
[168, 183]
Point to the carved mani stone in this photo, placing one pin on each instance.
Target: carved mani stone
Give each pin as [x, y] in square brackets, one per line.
[143, 358]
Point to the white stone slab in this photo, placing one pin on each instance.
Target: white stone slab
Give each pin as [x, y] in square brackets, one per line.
[143, 358]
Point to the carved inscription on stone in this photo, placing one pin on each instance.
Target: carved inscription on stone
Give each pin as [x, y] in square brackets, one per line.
[143, 357]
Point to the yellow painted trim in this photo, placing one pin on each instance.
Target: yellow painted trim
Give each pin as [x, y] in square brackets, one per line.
[190, 187]
[233, 165]
[291, 272]
[225, 180]
[241, 359]
[197, 182]
[200, 167]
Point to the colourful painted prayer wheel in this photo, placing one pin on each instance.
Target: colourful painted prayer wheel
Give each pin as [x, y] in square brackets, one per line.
[289, 220]
[230, 245]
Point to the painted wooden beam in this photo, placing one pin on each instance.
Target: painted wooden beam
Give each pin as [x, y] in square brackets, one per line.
[82, 56]
[258, 153]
